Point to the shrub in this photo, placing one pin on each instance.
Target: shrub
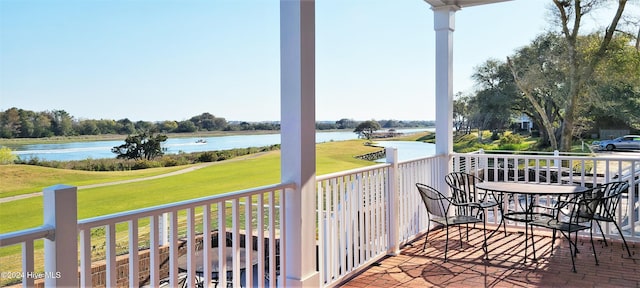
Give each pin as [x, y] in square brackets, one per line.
[207, 157]
[514, 147]
[7, 156]
[169, 162]
[145, 164]
[511, 139]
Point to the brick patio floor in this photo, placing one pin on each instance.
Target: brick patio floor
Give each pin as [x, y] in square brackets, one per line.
[505, 268]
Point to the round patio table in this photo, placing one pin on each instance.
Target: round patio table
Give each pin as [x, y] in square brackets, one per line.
[530, 191]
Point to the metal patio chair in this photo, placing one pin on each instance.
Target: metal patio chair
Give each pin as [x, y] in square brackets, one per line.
[606, 211]
[573, 214]
[438, 207]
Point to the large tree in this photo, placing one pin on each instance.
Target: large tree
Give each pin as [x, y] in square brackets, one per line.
[615, 98]
[581, 67]
[539, 72]
[461, 113]
[141, 146]
[494, 101]
[366, 128]
[557, 74]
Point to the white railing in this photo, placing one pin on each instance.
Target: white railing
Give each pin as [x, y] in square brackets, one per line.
[367, 213]
[413, 220]
[362, 215]
[26, 238]
[59, 234]
[352, 221]
[252, 219]
[563, 169]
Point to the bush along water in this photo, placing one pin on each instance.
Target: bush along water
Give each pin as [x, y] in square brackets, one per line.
[167, 160]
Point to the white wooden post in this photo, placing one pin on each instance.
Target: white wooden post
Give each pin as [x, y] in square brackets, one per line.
[297, 104]
[61, 250]
[394, 218]
[443, 22]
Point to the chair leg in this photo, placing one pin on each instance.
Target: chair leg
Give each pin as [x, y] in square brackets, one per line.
[504, 224]
[553, 240]
[526, 241]
[446, 244]
[425, 241]
[533, 243]
[602, 233]
[593, 247]
[575, 247]
[484, 245]
[621, 236]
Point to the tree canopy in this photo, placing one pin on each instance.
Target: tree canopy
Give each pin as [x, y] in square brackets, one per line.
[366, 128]
[145, 146]
[568, 84]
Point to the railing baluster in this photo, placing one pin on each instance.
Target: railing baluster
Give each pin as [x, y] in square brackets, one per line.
[272, 240]
[222, 243]
[85, 258]
[28, 263]
[111, 254]
[248, 240]
[191, 246]
[173, 248]
[235, 237]
[133, 254]
[206, 244]
[261, 247]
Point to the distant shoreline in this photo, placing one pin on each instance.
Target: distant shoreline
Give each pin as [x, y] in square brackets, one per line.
[108, 137]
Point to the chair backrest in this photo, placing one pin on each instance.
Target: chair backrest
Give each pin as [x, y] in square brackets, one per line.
[435, 203]
[584, 206]
[463, 186]
[611, 194]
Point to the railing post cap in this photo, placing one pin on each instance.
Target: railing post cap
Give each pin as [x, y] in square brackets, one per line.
[59, 187]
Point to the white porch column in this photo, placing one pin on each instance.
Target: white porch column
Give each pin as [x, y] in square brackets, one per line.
[297, 104]
[444, 25]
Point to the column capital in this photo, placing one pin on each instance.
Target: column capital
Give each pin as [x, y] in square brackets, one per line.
[444, 17]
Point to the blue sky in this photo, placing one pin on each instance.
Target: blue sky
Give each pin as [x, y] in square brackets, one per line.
[171, 60]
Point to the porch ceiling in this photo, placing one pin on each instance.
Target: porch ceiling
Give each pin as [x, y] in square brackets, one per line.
[461, 3]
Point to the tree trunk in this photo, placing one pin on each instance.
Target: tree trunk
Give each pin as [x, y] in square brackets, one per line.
[547, 125]
[577, 72]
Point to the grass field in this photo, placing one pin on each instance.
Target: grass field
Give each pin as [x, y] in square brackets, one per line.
[21, 179]
[221, 177]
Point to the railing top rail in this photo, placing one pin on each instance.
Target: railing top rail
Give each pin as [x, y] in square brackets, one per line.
[157, 210]
[420, 159]
[352, 171]
[538, 153]
[574, 156]
[26, 235]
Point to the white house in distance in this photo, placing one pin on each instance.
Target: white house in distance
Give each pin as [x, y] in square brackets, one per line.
[524, 123]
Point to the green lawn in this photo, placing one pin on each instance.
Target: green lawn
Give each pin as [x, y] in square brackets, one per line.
[23, 179]
[219, 178]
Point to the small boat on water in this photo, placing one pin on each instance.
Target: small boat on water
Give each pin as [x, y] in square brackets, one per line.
[201, 141]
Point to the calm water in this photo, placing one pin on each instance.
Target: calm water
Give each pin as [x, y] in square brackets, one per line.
[102, 149]
[409, 149]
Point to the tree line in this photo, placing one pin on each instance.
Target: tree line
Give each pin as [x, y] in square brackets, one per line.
[21, 123]
[569, 84]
